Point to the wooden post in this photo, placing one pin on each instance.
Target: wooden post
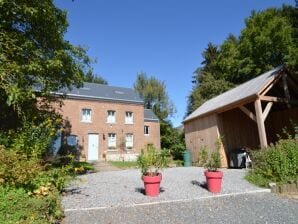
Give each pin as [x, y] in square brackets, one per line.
[285, 85]
[260, 123]
[286, 89]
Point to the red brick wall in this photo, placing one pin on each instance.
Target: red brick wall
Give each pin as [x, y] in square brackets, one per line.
[71, 111]
[154, 134]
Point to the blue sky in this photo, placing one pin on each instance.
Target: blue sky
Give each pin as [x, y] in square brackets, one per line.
[163, 38]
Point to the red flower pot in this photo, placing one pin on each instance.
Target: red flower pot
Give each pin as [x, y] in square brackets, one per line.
[214, 180]
[152, 185]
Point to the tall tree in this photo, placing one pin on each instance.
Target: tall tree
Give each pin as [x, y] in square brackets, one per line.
[268, 40]
[153, 91]
[91, 77]
[34, 53]
[155, 96]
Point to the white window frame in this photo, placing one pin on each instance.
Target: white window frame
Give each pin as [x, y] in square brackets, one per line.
[146, 130]
[85, 116]
[111, 118]
[128, 117]
[112, 141]
[129, 141]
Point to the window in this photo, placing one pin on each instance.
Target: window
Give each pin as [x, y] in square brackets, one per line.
[86, 115]
[128, 117]
[129, 141]
[146, 130]
[112, 140]
[111, 116]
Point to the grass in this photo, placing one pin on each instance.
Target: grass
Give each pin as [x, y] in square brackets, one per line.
[257, 179]
[124, 164]
[82, 167]
[177, 163]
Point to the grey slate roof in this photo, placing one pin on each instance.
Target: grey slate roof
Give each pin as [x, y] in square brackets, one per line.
[241, 92]
[149, 115]
[104, 92]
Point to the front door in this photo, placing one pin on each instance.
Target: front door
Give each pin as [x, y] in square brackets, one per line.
[93, 147]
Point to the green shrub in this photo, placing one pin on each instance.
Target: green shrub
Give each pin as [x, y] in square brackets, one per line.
[277, 163]
[16, 206]
[152, 161]
[214, 162]
[35, 140]
[54, 178]
[210, 161]
[16, 169]
[178, 163]
[203, 156]
[82, 167]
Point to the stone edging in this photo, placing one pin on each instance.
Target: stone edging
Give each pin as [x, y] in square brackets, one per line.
[290, 188]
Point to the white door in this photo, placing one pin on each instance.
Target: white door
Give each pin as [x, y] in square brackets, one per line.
[93, 147]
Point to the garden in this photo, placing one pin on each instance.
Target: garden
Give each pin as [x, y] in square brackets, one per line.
[277, 163]
[31, 180]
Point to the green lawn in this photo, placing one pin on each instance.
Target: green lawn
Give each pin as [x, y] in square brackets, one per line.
[124, 164]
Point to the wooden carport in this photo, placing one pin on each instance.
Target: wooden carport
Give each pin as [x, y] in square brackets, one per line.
[242, 114]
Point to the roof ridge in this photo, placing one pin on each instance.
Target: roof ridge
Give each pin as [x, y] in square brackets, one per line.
[104, 85]
[241, 92]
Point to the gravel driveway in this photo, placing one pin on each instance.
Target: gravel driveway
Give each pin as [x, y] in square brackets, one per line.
[125, 188]
[117, 197]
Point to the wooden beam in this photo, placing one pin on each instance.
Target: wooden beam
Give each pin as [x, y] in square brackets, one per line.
[248, 113]
[237, 104]
[267, 110]
[268, 87]
[260, 123]
[272, 99]
[278, 99]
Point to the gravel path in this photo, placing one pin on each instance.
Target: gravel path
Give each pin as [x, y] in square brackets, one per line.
[125, 188]
[245, 209]
[117, 197]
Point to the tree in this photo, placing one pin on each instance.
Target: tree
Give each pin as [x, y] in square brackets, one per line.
[156, 98]
[172, 139]
[90, 77]
[268, 40]
[34, 54]
[208, 80]
[154, 95]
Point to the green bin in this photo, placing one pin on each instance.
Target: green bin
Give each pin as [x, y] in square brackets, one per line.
[186, 158]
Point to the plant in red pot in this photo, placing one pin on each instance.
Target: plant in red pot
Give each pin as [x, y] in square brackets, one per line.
[212, 163]
[151, 162]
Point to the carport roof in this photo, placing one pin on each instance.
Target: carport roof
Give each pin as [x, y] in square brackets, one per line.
[246, 90]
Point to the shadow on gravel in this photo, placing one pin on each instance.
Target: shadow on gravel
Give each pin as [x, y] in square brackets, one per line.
[142, 190]
[73, 191]
[202, 184]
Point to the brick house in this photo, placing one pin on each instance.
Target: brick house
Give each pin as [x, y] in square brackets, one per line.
[106, 122]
